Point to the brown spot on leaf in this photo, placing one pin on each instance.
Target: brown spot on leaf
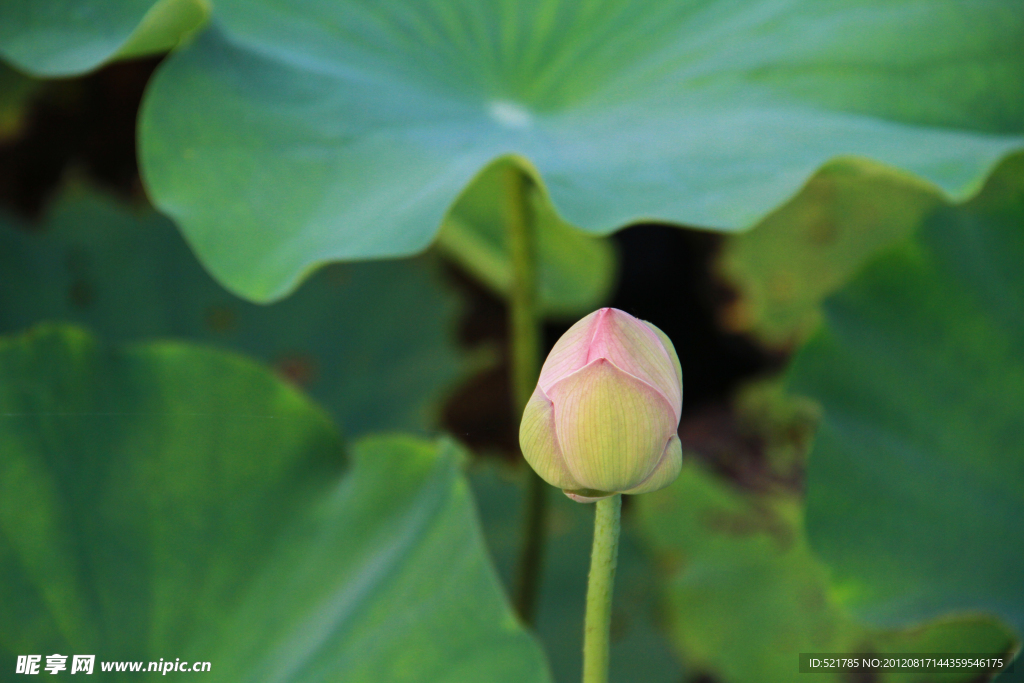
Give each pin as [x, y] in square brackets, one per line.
[80, 293]
[823, 232]
[220, 319]
[298, 368]
[782, 285]
[758, 520]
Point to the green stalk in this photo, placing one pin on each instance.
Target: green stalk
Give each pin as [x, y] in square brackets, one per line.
[524, 327]
[603, 559]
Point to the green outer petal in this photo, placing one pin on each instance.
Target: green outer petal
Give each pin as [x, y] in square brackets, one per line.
[540, 445]
[666, 471]
[611, 426]
[587, 495]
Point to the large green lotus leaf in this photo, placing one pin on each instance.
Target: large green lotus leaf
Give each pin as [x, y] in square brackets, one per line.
[67, 37]
[291, 134]
[745, 594]
[916, 481]
[639, 650]
[575, 271]
[171, 501]
[373, 342]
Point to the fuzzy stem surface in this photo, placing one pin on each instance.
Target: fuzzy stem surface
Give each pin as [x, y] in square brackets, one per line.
[600, 585]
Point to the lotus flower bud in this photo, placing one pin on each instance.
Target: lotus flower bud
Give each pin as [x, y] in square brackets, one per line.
[604, 415]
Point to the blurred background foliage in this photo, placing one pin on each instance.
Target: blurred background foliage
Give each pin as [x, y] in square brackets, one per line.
[919, 361]
[186, 473]
[127, 274]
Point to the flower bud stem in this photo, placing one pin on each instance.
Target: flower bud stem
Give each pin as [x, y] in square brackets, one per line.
[603, 559]
[524, 327]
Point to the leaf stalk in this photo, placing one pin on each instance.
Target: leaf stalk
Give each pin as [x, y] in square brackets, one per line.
[524, 328]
